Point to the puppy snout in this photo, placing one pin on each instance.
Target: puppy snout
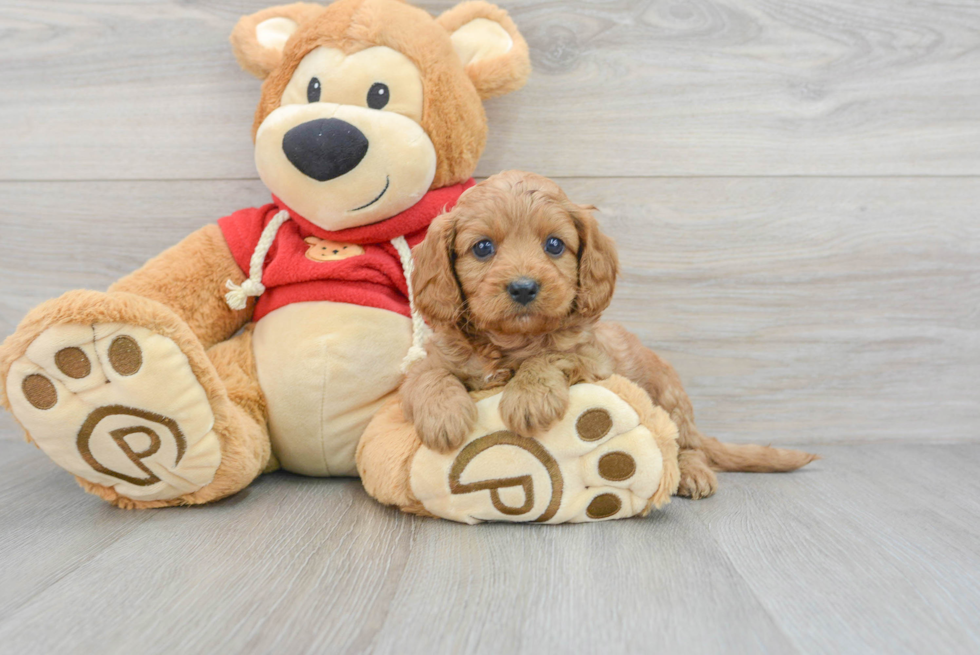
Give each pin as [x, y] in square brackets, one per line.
[324, 148]
[523, 290]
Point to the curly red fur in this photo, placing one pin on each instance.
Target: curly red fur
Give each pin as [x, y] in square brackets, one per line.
[484, 338]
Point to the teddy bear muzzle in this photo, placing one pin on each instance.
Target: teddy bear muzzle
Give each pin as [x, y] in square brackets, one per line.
[341, 166]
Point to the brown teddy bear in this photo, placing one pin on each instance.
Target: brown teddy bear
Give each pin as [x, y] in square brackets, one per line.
[271, 338]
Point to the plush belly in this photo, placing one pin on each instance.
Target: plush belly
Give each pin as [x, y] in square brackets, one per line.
[325, 368]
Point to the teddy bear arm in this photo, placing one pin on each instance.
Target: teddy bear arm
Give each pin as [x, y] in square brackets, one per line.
[189, 278]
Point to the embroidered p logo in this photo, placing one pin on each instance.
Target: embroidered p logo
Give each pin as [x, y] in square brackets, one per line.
[123, 437]
[505, 438]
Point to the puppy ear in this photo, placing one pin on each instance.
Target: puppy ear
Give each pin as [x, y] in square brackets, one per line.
[437, 294]
[493, 52]
[258, 40]
[598, 264]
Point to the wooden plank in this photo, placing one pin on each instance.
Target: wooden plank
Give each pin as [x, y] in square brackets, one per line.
[67, 235]
[807, 310]
[146, 89]
[858, 554]
[9, 430]
[303, 565]
[50, 527]
[633, 586]
[796, 310]
[271, 563]
[854, 554]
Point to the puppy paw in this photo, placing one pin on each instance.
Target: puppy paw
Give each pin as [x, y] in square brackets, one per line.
[531, 410]
[444, 423]
[697, 478]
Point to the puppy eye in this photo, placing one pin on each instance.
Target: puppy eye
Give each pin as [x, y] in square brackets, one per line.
[554, 246]
[484, 249]
[378, 96]
[313, 91]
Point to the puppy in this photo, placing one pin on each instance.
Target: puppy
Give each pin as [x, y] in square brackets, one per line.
[513, 281]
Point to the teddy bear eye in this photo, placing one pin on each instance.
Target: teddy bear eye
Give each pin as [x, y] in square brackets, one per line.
[313, 91]
[484, 249]
[378, 96]
[554, 246]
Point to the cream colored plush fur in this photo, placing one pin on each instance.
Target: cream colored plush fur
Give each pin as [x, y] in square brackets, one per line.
[398, 470]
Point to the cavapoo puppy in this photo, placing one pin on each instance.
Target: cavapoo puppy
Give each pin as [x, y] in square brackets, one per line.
[513, 281]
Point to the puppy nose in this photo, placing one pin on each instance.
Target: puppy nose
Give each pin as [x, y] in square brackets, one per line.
[523, 290]
[325, 148]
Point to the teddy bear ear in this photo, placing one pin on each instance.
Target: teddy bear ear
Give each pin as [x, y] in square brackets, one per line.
[493, 52]
[258, 39]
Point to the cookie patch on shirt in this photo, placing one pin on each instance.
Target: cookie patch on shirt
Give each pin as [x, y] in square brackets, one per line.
[324, 250]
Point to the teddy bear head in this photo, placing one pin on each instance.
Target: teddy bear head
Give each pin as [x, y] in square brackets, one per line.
[369, 104]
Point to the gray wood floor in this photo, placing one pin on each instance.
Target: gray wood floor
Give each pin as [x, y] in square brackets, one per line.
[794, 189]
[874, 549]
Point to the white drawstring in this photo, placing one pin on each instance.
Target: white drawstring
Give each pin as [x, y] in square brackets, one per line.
[420, 331]
[238, 295]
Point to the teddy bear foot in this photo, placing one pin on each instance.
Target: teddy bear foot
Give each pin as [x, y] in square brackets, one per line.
[603, 460]
[118, 406]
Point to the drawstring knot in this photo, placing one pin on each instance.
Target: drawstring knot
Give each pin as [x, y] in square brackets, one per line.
[238, 294]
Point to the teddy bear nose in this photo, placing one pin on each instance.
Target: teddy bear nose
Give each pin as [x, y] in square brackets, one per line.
[325, 148]
[523, 290]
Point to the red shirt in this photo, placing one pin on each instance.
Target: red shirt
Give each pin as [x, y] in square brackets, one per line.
[357, 265]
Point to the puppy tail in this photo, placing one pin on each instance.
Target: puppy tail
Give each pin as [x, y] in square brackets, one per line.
[750, 458]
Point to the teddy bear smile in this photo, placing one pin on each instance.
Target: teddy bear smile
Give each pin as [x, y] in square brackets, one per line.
[383, 191]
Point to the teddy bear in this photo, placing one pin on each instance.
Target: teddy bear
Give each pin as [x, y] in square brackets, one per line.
[270, 338]
[278, 336]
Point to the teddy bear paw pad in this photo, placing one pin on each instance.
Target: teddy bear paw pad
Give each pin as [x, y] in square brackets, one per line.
[599, 462]
[117, 405]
